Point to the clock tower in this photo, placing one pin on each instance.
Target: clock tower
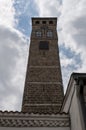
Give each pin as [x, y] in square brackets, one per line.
[43, 92]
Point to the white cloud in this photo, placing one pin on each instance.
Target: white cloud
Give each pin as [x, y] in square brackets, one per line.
[7, 13]
[13, 52]
[48, 8]
[72, 24]
[65, 61]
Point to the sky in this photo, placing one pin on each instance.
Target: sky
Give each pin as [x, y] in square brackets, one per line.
[15, 29]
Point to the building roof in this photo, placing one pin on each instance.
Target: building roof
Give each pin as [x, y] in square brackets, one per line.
[19, 119]
[75, 78]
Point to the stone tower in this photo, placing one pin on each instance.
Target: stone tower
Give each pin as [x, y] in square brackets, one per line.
[43, 92]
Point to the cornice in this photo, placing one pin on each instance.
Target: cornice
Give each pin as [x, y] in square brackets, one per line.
[19, 119]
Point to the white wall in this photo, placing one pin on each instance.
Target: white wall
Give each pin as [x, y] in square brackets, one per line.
[76, 114]
[73, 106]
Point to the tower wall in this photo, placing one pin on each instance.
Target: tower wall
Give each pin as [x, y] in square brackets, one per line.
[43, 92]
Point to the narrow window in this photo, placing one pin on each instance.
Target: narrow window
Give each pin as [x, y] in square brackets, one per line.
[49, 33]
[43, 45]
[50, 22]
[37, 22]
[38, 33]
[44, 22]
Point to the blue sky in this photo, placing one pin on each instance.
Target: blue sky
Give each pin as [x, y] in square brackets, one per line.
[24, 11]
[15, 29]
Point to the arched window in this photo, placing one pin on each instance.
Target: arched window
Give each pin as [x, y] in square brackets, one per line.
[37, 22]
[44, 22]
[38, 33]
[50, 22]
[49, 33]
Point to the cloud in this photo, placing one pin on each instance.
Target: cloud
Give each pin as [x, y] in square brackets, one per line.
[72, 23]
[7, 13]
[48, 8]
[13, 56]
[13, 50]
